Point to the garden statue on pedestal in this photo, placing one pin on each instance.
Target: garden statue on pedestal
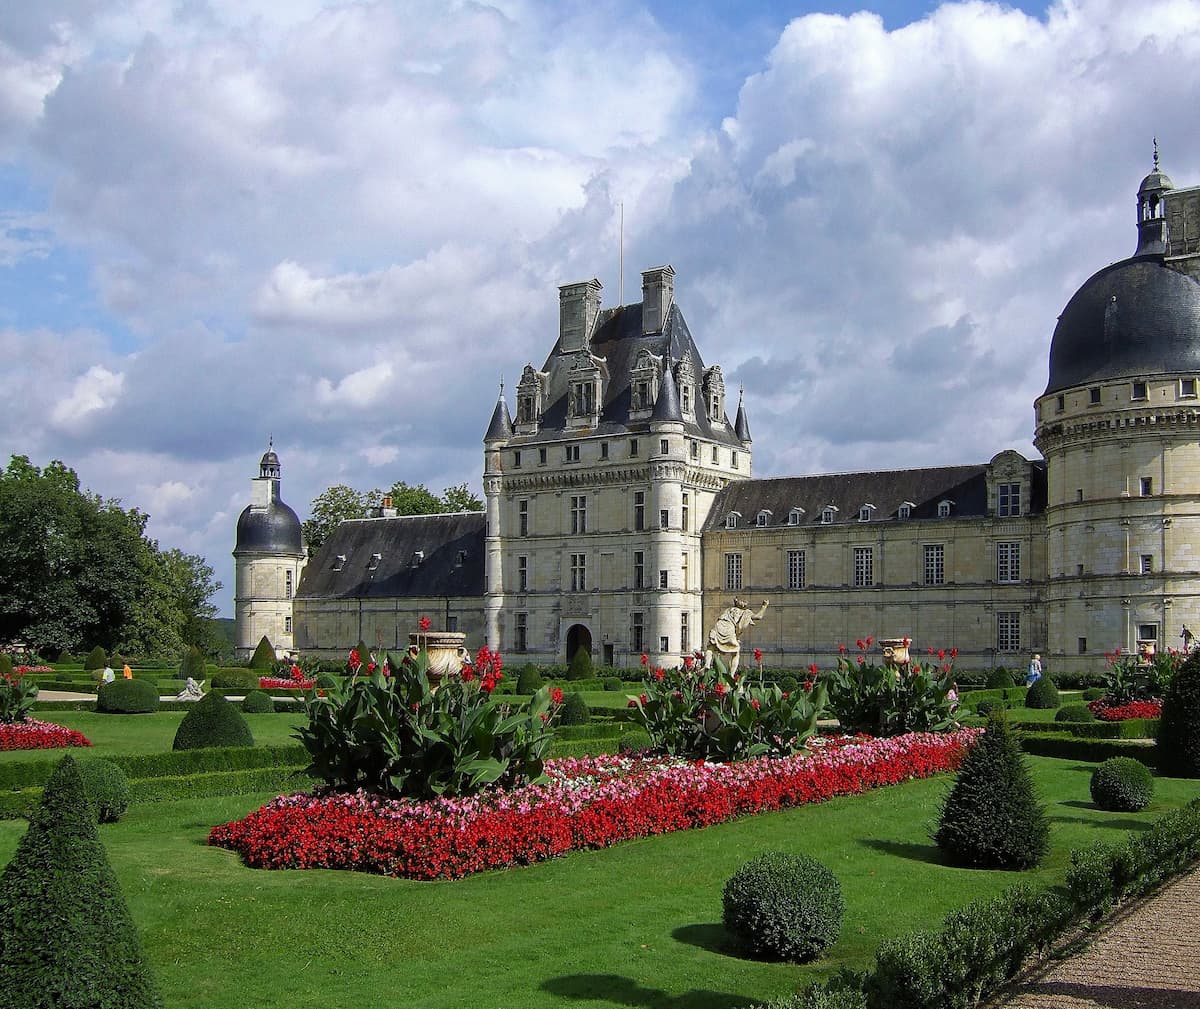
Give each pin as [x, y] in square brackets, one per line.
[730, 625]
[192, 691]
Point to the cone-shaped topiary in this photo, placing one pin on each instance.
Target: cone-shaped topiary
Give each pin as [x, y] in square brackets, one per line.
[1122, 785]
[106, 788]
[1043, 694]
[66, 938]
[581, 665]
[258, 702]
[97, 658]
[192, 664]
[264, 656]
[530, 680]
[575, 710]
[999, 678]
[1179, 728]
[992, 817]
[212, 721]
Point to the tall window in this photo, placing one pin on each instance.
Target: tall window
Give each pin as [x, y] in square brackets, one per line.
[1147, 486]
[1147, 564]
[795, 569]
[716, 455]
[685, 578]
[637, 636]
[523, 517]
[639, 569]
[522, 573]
[935, 564]
[578, 513]
[578, 572]
[686, 511]
[664, 519]
[685, 641]
[1008, 562]
[287, 625]
[572, 453]
[664, 446]
[733, 571]
[521, 636]
[583, 398]
[663, 582]
[864, 567]
[1009, 500]
[287, 584]
[633, 447]
[639, 510]
[1008, 631]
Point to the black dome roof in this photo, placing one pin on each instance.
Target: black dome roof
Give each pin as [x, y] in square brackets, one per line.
[271, 530]
[1137, 317]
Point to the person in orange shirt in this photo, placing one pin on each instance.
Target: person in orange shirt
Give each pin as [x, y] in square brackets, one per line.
[127, 672]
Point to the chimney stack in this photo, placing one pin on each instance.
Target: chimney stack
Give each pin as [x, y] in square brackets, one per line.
[658, 291]
[578, 306]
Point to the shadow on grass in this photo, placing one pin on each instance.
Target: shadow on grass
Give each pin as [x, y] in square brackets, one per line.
[928, 853]
[711, 936]
[624, 991]
[1112, 820]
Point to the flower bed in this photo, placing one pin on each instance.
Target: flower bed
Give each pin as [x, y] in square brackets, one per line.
[284, 683]
[1120, 712]
[588, 802]
[32, 734]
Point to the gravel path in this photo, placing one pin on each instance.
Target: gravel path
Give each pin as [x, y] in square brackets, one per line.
[1147, 957]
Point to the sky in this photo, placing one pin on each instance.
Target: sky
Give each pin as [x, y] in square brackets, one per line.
[342, 225]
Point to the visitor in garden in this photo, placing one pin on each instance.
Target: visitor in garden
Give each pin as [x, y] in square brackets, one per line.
[127, 672]
[1188, 637]
[108, 675]
[1035, 670]
[952, 697]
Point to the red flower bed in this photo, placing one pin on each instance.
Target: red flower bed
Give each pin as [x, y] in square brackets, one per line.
[284, 683]
[32, 734]
[1120, 712]
[588, 802]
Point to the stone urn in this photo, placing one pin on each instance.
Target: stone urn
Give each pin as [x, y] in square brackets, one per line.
[446, 650]
[895, 653]
[1146, 650]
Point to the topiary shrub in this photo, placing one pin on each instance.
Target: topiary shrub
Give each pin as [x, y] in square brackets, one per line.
[999, 678]
[784, 906]
[992, 817]
[575, 711]
[530, 680]
[127, 697]
[235, 678]
[106, 788]
[66, 936]
[581, 665]
[1042, 694]
[1178, 746]
[192, 664]
[634, 741]
[1122, 785]
[258, 702]
[613, 683]
[263, 658]
[212, 721]
[988, 705]
[6, 664]
[97, 658]
[1093, 693]
[1074, 713]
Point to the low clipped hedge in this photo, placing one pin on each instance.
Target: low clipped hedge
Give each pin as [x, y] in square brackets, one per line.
[127, 697]
[592, 730]
[257, 702]
[1130, 728]
[583, 747]
[236, 677]
[634, 741]
[1009, 695]
[1072, 747]
[1074, 713]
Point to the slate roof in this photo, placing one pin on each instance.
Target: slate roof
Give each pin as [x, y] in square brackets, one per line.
[965, 486]
[271, 530]
[618, 339]
[441, 538]
[501, 426]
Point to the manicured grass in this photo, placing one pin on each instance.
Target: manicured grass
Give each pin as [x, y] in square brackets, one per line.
[634, 925]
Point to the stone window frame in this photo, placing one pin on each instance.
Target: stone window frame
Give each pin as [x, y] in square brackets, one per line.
[904, 512]
[1008, 499]
[523, 573]
[934, 568]
[864, 567]
[829, 515]
[763, 518]
[1008, 631]
[639, 569]
[1139, 390]
[797, 573]
[866, 512]
[1187, 388]
[578, 514]
[944, 508]
[1008, 562]
[578, 569]
[733, 572]
[795, 516]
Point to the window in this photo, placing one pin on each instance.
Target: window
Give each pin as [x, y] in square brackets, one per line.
[944, 509]
[604, 450]
[1083, 646]
[287, 584]
[662, 579]
[904, 512]
[1008, 562]
[452, 624]
[1147, 564]
[935, 564]
[583, 399]
[763, 517]
[1008, 631]
[572, 453]
[795, 569]
[521, 633]
[578, 513]
[864, 513]
[864, 567]
[1078, 493]
[731, 520]
[633, 447]
[339, 562]
[684, 569]
[639, 510]
[794, 516]
[639, 569]
[287, 625]
[418, 558]
[541, 457]
[687, 514]
[733, 571]
[1060, 404]
[1147, 632]
[462, 559]
[1008, 503]
[1139, 390]
[716, 456]
[664, 644]
[685, 401]
[1147, 486]
[733, 459]
[685, 643]
[522, 573]
[641, 396]
[372, 564]
[1187, 388]
[827, 514]
[695, 450]
[578, 572]
[664, 518]
[517, 459]
[1094, 396]
[637, 637]
[523, 517]
[664, 446]
[526, 409]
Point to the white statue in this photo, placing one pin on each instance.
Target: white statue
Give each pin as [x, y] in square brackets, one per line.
[192, 691]
[730, 625]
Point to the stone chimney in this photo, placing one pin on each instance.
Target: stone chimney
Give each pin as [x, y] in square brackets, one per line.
[385, 508]
[578, 306]
[658, 291]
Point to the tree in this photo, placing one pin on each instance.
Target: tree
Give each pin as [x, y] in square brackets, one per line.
[459, 499]
[415, 499]
[332, 506]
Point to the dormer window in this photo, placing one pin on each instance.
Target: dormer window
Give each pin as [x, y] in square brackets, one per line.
[418, 558]
[714, 394]
[904, 512]
[794, 516]
[731, 520]
[644, 380]
[944, 509]
[865, 512]
[531, 391]
[685, 381]
[462, 558]
[764, 517]
[583, 399]
[828, 514]
[373, 563]
[585, 390]
[339, 562]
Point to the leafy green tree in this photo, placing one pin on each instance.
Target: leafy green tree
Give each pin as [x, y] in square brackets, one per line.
[415, 499]
[459, 499]
[332, 506]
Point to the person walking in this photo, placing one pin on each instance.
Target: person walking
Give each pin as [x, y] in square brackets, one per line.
[1035, 670]
[127, 672]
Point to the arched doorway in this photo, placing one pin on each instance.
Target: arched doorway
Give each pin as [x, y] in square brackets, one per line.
[578, 636]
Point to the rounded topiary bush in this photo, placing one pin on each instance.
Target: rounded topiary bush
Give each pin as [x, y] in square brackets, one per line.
[1179, 727]
[575, 710]
[106, 788]
[784, 906]
[1093, 693]
[530, 680]
[1042, 694]
[1074, 713]
[192, 664]
[634, 741]
[788, 683]
[988, 705]
[1122, 785]
[1000, 678]
[97, 658]
[213, 721]
[127, 697]
[263, 658]
[236, 678]
[258, 702]
[581, 665]
[613, 683]
[992, 817]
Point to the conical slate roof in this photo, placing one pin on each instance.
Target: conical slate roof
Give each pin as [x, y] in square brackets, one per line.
[500, 429]
[741, 427]
[666, 407]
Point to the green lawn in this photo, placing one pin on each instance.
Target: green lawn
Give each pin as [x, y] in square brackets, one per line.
[635, 925]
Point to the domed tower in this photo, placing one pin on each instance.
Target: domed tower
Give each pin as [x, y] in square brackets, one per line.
[268, 559]
[1119, 426]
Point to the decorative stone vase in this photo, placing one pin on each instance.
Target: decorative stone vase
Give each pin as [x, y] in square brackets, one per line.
[1146, 650]
[447, 653]
[895, 653]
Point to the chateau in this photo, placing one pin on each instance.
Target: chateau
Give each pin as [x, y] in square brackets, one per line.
[622, 515]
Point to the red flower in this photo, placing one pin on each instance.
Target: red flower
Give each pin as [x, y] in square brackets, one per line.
[659, 674]
[941, 655]
[544, 717]
[688, 662]
[869, 641]
[860, 644]
[720, 689]
[807, 687]
[812, 668]
[645, 659]
[424, 624]
[556, 695]
[754, 704]
[758, 655]
[954, 653]
[842, 649]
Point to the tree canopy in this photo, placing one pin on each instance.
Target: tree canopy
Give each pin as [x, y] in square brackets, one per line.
[337, 503]
[77, 571]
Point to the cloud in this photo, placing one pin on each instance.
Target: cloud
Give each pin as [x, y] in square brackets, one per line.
[96, 391]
